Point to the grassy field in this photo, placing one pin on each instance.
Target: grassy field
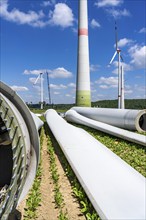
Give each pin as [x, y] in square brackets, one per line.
[133, 154]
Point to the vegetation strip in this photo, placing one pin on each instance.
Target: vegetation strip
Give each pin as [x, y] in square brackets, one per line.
[58, 197]
[34, 197]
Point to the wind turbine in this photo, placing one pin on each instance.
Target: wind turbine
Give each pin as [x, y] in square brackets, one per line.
[48, 85]
[40, 76]
[120, 72]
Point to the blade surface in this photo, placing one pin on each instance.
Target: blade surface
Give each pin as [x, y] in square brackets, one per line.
[113, 57]
[37, 79]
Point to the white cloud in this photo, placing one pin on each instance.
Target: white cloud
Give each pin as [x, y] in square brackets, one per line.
[141, 88]
[95, 24]
[68, 95]
[126, 67]
[138, 55]
[34, 72]
[108, 3]
[118, 13]
[62, 16]
[31, 18]
[142, 30]
[48, 3]
[19, 88]
[38, 88]
[93, 90]
[73, 85]
[109, 82]
[32, 80]
[61, 86]
[138, 77]
[60, 72]
[115, 71]
[126, 91]
[75, 30]
[128, 87]
[104, 86]
[94, 67]
[123, 42]
[56, 93]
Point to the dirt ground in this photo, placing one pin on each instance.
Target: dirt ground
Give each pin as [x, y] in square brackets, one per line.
[47, 209]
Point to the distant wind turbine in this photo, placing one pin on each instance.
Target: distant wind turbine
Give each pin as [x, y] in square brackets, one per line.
[122, 88]
[40, 76]
[120, 72]
[48, 85]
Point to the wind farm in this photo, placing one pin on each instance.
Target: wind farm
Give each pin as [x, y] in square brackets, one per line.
[83, 163]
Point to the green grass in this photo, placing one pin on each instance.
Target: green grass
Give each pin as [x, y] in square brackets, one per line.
[63, 216]
[34, 196]
[58, 197]
[37, 111]
[41, 111]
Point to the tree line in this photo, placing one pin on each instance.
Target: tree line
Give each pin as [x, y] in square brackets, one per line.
[129, 104]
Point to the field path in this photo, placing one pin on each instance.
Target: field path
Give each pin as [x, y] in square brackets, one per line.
[47, 210]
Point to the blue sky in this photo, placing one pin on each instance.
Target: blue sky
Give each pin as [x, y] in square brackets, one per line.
[42, 35]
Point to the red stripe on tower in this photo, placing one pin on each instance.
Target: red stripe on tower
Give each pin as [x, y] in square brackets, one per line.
[83, 31]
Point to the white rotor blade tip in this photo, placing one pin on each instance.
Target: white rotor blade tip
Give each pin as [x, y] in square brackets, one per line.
[37, 79]
[113, 57]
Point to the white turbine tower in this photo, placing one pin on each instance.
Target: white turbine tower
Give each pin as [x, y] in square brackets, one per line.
[120, 73]
[48, 85]
[122, 88]
[40, 76]
[83, 91]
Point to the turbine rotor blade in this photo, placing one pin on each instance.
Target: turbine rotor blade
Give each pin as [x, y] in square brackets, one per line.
[116, 35]
[36, 79]
[121, 58]
[113, 57]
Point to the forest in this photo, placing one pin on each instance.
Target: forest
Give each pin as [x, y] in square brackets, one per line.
[129, 104]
